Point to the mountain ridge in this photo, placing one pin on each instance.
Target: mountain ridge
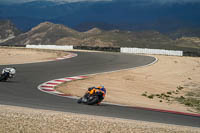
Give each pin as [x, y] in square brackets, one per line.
[48, 33]
[8, 30]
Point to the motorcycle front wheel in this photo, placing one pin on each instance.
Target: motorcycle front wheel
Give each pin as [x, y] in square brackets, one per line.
[93, 100]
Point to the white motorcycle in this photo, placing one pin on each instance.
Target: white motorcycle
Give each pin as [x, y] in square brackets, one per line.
[7, 73]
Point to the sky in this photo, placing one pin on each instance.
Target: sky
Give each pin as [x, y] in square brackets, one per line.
[154, 1]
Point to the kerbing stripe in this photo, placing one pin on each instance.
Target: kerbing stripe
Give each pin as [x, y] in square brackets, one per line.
[47, 89]
[45, 86]
[70, 79]
[67, 56]
[60, 58]
[58, 80]
[52, 83]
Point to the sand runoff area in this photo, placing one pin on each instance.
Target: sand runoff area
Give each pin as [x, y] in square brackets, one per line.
[23, 55]
[156, 86]
[144, 87]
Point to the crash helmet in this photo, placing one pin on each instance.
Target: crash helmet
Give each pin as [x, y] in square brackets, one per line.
[11, 71]
[102, 88]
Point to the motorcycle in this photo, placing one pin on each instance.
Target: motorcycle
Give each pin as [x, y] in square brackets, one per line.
[91, 98]
[7, 73]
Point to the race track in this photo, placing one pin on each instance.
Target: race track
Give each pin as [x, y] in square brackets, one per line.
[22, 91]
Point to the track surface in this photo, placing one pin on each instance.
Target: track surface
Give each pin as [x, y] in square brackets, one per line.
[22, 91]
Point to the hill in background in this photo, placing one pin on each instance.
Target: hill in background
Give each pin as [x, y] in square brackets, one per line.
[7, 30]
[48, 33]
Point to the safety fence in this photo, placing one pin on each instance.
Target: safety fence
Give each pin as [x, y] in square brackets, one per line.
[54, 47]
[182, 52]
[97, 48]
[151, 51]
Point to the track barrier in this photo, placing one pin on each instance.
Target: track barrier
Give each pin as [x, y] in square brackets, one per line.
[187, 52]
[54, 47]
[151, 51]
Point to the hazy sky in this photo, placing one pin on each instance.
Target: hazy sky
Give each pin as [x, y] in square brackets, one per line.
[156, 1]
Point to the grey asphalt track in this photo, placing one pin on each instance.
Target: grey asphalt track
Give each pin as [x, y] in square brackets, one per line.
[22, 91]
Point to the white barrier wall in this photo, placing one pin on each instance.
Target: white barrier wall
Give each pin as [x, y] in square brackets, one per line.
[151, 51]
[55, 47]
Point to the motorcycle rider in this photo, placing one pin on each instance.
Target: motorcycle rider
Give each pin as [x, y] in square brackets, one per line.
[100, 91]
[7, 73]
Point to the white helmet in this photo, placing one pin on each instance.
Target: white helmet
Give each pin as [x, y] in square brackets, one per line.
[11, 71]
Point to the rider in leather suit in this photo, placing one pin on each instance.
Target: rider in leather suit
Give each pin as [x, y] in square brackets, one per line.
[100, 91]
[7, 73]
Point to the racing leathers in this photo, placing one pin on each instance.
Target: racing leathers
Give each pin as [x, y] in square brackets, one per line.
[99, 91]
